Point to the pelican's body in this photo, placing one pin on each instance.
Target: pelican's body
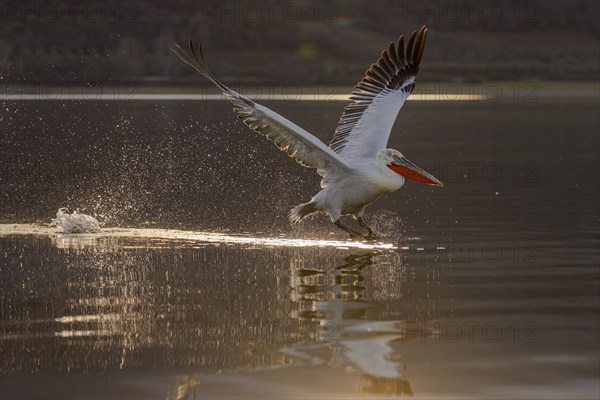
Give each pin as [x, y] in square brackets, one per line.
[360, 186]
[356, 167]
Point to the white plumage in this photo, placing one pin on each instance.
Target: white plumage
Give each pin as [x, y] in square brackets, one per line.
[356, 167]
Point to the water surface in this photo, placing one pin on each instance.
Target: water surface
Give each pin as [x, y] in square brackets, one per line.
[487, 287]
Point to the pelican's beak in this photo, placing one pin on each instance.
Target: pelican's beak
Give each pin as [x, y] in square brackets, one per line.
[406, 168]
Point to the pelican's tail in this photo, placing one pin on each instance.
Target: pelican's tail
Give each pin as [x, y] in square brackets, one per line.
[302, 210]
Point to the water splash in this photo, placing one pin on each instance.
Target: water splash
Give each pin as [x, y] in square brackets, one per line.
[75, 223]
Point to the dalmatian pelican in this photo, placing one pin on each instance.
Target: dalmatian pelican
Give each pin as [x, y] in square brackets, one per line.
[356, 166]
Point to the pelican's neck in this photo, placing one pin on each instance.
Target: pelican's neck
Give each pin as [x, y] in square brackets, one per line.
[388, 180]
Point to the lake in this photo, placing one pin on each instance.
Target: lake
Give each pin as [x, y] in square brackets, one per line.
[199, 287]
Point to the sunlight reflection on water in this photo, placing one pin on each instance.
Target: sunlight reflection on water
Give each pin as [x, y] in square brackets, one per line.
[202, 238]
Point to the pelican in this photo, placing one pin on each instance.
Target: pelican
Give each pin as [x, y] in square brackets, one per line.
[357, 167]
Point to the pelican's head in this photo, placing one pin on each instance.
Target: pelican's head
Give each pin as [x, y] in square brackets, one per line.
[395, 161]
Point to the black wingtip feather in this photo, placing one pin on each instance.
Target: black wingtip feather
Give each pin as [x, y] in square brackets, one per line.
[419, 47]
[409, 45]
[396, 64]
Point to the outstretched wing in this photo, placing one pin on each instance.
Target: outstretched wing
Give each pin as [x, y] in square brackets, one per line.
[365, 125]
[287, 136]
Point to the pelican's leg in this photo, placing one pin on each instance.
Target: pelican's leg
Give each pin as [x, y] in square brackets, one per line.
[358, 216]
[362, 223]
[353, 233]
[371, 234]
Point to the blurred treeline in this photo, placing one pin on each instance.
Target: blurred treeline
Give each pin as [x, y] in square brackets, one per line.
[300, 42]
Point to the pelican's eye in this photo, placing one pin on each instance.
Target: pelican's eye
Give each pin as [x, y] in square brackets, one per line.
[395, 156]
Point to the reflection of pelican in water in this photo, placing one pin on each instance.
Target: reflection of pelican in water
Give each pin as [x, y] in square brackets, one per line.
[332, 295]
[372, 356]
[185, 388]
[366, 348]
